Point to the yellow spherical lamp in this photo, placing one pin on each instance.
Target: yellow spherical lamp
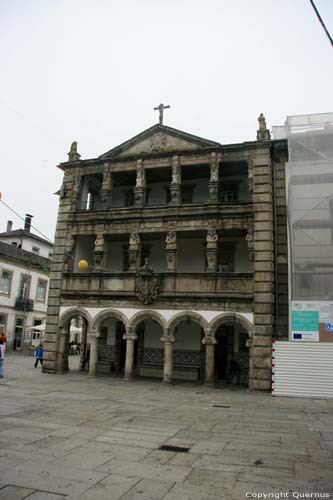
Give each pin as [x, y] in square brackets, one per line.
[83, 265]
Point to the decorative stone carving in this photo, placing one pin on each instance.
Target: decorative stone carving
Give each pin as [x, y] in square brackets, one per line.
[106, 186]
[75, 191]
[214, 167]
[171, 240]
[68, 255]
[134, 251]
[211, 250]
[212, 238]
[213, 192]
[263, 134]
[140, 174]
[146, 284]
[158, 142]
[250, 247]
[99, 243]
[73, 155]
[175, 170]
[134, 241]
[250, 175]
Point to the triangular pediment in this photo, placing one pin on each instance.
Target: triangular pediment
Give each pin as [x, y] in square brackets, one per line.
[159, 139]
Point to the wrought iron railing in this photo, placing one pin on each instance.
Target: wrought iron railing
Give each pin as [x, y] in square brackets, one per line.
[181, 358]
[23, 304]
[106, 352]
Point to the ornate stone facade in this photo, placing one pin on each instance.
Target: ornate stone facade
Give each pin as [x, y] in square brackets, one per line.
[183, 276]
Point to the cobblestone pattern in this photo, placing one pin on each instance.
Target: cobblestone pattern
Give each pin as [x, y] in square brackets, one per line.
[74, 436]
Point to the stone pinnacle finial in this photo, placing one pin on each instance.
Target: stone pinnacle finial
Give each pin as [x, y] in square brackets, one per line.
[263, 134]
[73, 155]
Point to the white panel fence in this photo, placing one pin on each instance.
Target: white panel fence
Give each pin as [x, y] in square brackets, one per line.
[302, 369]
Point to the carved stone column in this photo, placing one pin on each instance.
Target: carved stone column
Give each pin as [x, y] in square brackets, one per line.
[134, 251]
[140, 187]
[168, 341]
[83, 345]
[75, 195]
[250, 176]
[175, 186]
[98, 251]
[130, 338]
[93, 353]
[106, 187]
[213, 184]
[211, 250]
[171, 251]
[62, 353]
[68, 254]
[250, 247]
[209, 341]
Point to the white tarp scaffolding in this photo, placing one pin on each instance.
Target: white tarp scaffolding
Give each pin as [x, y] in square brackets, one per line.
[309, 179]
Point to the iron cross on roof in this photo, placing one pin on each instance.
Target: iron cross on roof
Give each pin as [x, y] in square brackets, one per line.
[161, 107]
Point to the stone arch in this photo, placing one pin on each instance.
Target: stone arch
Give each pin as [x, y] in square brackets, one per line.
[109, 313]
[147, 314]
[74, 311]
[185, 316]
[230, 318]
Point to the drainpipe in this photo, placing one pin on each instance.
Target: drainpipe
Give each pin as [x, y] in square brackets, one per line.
[276, 304]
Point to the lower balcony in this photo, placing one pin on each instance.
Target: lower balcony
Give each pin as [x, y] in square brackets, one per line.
[167, 285]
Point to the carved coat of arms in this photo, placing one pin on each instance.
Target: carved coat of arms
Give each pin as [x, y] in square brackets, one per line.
[158, 142]
[146, 284]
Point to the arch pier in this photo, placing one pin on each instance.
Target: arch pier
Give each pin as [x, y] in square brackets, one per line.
[181, 345]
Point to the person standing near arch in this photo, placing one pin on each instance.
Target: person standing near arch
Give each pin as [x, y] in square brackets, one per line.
[39, 354]
[2, 356]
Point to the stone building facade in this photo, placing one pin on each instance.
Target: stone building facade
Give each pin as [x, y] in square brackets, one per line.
[185, 242]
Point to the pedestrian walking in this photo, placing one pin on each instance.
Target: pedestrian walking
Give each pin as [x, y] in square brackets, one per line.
[2, 356]
[39, 354]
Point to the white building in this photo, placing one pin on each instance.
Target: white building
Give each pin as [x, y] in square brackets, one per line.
[25, 260]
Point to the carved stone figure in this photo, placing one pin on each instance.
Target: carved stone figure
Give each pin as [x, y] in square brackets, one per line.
[134, 241]
[212, 238]
[73, 155]
[171, 240]
[175, 170]
[263, 134]
[214, 168]
[99, 243]
[139, 174]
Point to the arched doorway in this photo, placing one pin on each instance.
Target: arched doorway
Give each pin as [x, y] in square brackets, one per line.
[72, 351]
[148, 348]
[111, 346]
[188, 349]
[231, 356]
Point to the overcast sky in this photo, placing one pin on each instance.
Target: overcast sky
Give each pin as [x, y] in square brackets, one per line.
[92, 71]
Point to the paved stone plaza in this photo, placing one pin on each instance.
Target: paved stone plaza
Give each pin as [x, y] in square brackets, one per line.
[74, 436]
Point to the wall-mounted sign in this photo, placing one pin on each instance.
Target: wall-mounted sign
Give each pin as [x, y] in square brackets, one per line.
[312, 321]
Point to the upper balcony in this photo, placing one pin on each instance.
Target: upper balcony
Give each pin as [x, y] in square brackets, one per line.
[160, 191]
